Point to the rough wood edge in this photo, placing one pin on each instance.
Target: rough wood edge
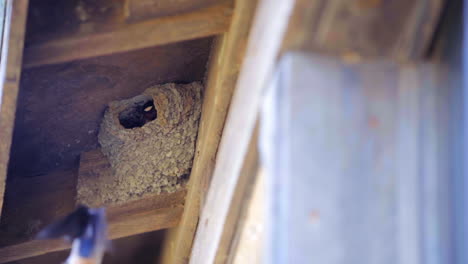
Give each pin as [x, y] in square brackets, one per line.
[136, 217]
[226, 59]
[201, 23]
[264, 45]
[312, 21]
[416, 39]
[248, 241]
[151, 213]
[137, 10]
[10, 69]
[233, 228]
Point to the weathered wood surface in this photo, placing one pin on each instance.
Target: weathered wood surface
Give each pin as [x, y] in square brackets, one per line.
[61, 106]
[249, 239]
[3, 5]
[143, 9]
[152, 212]
[10, 71]
[204, 22]
[225, 62]
[148, 214]
[239, 216]
[355, 153]
[141, 248]
[264, 43]
[33, 202]
[451, 52]
[397, 30]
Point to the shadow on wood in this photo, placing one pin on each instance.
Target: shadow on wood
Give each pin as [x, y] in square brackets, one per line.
[209, 21]
[151, 213]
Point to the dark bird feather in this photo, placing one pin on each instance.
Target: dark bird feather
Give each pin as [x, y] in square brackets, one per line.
[70, 227]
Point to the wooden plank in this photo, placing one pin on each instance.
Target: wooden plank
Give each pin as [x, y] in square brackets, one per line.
[266, 36]
[10, 69]
[147, 214]
[239, 212]
[250, 236]
[368, 146]
[398, 29]
[456, 47]
[54, 96]
[200, 23]
[225, 62]
[33, 202]
[3, 5]
[144, 9]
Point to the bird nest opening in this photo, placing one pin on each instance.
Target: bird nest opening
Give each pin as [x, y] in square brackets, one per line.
[149, 142]
[138, 114]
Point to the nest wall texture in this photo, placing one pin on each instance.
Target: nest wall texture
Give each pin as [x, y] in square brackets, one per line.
[149, 141]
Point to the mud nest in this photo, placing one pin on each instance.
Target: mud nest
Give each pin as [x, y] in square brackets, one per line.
[149, 141]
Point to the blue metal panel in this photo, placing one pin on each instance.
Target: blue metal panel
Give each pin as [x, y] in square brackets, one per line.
[358, 162]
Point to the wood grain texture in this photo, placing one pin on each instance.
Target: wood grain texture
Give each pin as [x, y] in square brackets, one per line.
[143, 9]
[239, 212]
[264, 43]
[10, 70]
[147, 214]
[208, 21]
[129, 219]
[134, 249]
[249, 239]
[399, 29]
[364, 144]
[225, 62]
[3, 5]
[32, 203]
[61, 106]
[452, 49]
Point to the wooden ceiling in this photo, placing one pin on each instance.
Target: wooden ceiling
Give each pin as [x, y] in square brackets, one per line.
[61, 31]
[60, 106]
[79, 55]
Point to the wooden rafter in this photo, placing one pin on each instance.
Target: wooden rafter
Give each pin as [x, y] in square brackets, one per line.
[396, 30]
[137, 10]
[136, 217]
[269, 35]
[264, 43]
[226, 60]
[208, 21]
[141, 216]
[10, 71]
[238, 212]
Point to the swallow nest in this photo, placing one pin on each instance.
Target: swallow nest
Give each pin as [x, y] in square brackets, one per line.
[149, 141]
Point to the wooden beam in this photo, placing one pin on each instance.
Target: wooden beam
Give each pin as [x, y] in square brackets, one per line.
[225, 63]
[10, 71]
[148, 214]
[249, 239]
[141, 216]
[33, 202]
[143, 9]
[205, 22]
[266, 36]
[398, 29]
[239, 211]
